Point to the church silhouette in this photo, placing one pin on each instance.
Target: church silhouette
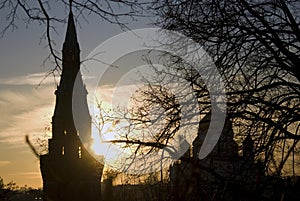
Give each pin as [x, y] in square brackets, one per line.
[69, 171]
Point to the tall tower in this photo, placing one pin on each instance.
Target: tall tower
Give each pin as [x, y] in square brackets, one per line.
[69, 172]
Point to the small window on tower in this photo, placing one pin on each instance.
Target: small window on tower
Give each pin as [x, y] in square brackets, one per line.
[65, 132]
[79, 152]
[62, 150]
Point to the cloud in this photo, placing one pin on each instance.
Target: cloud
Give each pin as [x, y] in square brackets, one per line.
[24, 110]
[28, 175]
[31, 79]
[4, 163]
[36, 79]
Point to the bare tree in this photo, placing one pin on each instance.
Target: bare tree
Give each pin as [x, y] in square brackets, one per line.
[256, 48]
[50, 14]
[255, 45]
[7, 190]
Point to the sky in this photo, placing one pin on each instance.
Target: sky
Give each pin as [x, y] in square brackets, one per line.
[27, 107]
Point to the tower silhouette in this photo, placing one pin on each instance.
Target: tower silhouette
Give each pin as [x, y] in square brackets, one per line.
[69, 171]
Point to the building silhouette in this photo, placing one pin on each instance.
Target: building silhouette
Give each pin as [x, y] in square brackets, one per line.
[223, 170]
[69, 171]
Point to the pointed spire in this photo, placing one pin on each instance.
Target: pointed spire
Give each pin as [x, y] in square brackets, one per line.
[71, 35]
[70, 4]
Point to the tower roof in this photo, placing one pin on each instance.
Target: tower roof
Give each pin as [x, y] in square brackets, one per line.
[71, 35]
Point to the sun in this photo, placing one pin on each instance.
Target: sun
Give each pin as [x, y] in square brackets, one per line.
[101, 141]
[102, 146]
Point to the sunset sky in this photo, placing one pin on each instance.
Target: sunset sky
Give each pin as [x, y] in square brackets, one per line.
[25, 107]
